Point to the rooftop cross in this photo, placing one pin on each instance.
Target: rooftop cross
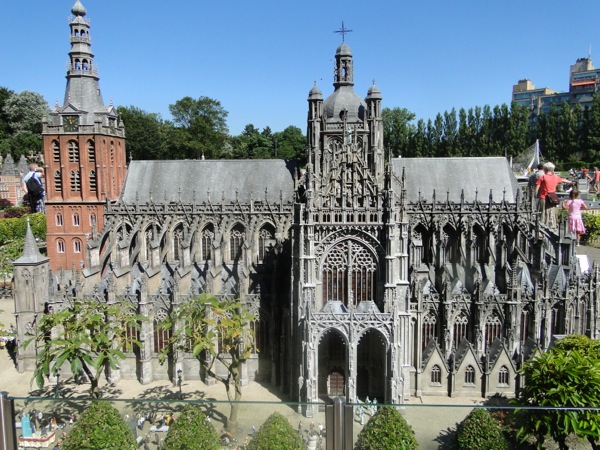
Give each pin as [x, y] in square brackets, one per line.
[343, 31]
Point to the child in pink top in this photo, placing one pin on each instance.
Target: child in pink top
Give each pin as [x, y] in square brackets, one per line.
[575, 205]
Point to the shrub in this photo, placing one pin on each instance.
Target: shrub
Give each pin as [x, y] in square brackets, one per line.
[15, 212]
[386, 429]
[13, 229]
[5, 203]
[100, 427]
[192, 430]
[592, 226]
[479, 431]
[276, 434]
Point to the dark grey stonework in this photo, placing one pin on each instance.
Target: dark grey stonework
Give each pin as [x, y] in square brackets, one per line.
[366, 277]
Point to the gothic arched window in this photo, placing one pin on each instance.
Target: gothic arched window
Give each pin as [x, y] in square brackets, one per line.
[55, 151]
[460, 328]
[161, 335]
[266, 239]
[178, 243]
[75, 181]
[207, 241]
[429, 328]
[436, 375]
[470, 375]
[73, 151]
[349, 274]
[236, 242]
[504, 376]
[93, 181]
[57, 181]
[60, 246]
[76, 246]
[91, 151]
[493, 329]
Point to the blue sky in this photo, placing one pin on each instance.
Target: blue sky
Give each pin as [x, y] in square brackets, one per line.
[261, 58]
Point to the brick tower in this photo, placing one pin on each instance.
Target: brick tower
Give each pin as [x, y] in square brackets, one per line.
[84, 154]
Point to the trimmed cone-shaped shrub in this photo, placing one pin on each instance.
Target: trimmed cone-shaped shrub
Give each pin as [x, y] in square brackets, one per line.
[276, 434]
[100, 427]
[387, 429]
[479, 431]
[191, 430]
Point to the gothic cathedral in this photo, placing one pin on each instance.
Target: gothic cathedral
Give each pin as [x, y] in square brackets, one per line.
[367, 275]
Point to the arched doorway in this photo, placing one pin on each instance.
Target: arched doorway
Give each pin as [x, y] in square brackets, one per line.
[333, 357]
[371, 366]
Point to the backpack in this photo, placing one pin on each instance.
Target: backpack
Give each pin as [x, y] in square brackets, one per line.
[34, 186]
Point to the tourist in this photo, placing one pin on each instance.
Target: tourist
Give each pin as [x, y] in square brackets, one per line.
[545, 192]
[532, 181]
[34, 187]
[595, 185]
[575, 205]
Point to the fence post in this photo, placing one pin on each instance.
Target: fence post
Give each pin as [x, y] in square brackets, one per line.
[339, 423]
[8, 435]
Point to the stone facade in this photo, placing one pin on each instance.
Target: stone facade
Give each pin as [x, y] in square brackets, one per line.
[367, 276]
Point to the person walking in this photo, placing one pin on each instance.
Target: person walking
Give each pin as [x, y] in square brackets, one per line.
[575, 205]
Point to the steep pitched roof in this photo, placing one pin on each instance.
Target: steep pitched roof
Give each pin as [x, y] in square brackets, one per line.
[31, 253]
[209, 181]
[450, 177]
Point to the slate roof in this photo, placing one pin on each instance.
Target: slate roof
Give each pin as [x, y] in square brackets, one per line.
[454, 175]
[209, 181]
[31, 253]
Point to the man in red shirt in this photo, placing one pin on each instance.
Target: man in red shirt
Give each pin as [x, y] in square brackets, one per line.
[546, 184]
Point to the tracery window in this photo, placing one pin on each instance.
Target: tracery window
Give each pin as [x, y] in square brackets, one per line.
[436, 375]
[59, 220]
[349, 274]
[429, 328]
[73, 151]
[161, 336]
[60, 246]
[503, 376]
[131, 334]
[493, 329]
[236, 242]
[178, 244]
[470, 375]
[265, 241]
[207, 241]
[460, 328]
[76, 221]
[76, 246]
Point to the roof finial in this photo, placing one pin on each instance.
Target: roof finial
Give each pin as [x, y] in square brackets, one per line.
[343, 31]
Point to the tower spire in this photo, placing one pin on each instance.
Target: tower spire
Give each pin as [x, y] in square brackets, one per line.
[83, 90]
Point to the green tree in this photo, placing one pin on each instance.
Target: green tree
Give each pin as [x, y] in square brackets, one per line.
[24, 112]
[145, 134]
[386, 429]
[5, 94]
[567, 376]
[215, 331]
[397, 130]
[290, 144]
[100, 427]
[192, 430]
[479, 431]
[205, 121]
[276, 434]
[88, 335]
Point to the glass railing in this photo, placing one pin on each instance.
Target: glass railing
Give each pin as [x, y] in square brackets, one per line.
[44, 422]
